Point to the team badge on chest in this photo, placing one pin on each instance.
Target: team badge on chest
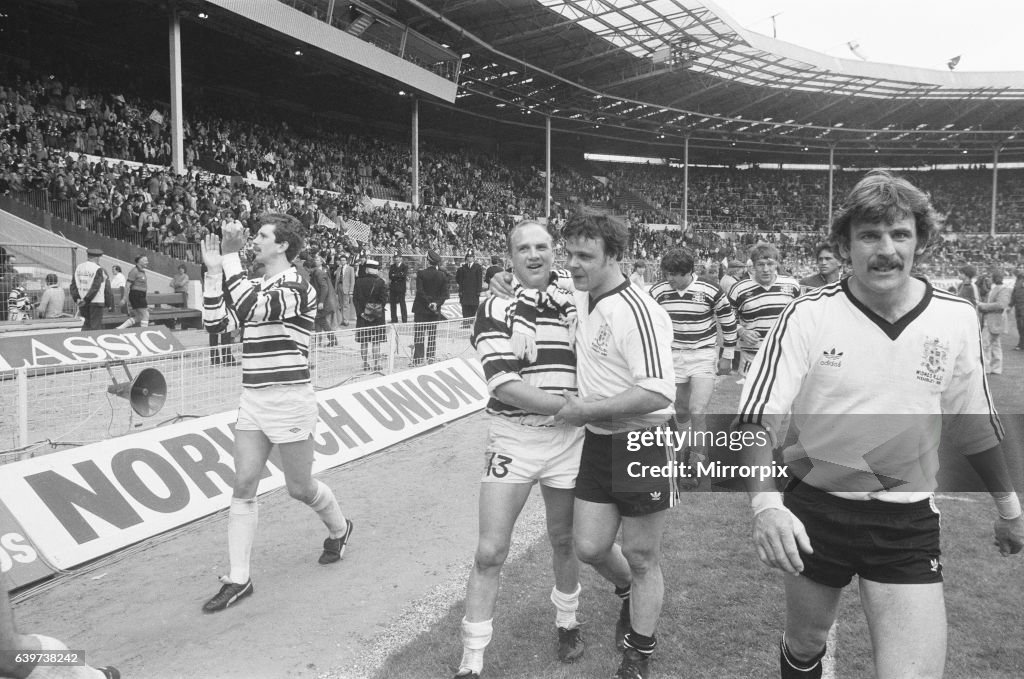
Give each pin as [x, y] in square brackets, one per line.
[600, 343]
[933, 361]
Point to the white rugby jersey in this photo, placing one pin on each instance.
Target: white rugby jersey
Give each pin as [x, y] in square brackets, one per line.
[693, 312]
[868, 396]
[276, 315]
[624, 339]
[758, 306]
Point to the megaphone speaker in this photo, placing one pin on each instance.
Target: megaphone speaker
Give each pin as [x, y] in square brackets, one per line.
[146, 392]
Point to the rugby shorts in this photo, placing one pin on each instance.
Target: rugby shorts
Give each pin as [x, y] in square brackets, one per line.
[522, 453]
[605, 477]
[285, 413]
[694, 363]
[884, 542]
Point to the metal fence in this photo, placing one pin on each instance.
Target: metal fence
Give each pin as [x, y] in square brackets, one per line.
[46, 409]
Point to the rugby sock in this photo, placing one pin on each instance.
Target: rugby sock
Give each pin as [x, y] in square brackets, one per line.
[60, 671]
[243, 516]
[623, 593]
[791, 668]
[475, 637]
[327, 508]
[566, 606]
[638, 642]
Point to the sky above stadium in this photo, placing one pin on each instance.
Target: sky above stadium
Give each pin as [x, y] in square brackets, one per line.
[926, 34]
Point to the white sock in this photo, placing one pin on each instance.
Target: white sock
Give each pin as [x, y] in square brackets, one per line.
[327, 508]
[243, 516]
[60, 671]
[566, 606]
[475, 637]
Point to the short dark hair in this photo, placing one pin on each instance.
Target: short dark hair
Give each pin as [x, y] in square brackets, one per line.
[881, 197]
[287, 229]
[822, 246]
[678, 261]
[51, 279]
[997, 277]
[613, 234]
[969, 270]
[138, 257]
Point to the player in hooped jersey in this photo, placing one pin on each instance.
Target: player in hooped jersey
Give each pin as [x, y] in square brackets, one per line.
[695, 306]
[759, 300]
[276, 315]
[875, 369]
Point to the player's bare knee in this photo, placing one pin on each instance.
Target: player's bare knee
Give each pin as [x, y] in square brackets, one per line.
[561, 540]
[591, 553]
[641, 560]
[490, 554]
[303, 492]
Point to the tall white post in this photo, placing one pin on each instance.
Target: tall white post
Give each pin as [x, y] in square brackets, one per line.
[177, 122]
[415, 152]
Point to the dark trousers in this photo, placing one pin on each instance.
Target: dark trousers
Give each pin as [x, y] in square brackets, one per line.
[1020, 328]
[425, 337]
[399, 301]
[92, 316]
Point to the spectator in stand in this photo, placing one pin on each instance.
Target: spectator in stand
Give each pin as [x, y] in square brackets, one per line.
[326, 300]
[9, 280]
[398, 277]
[639, 273]
[19, 304]
[345, 287]
[967, 288]
[470, 278]
[179, 283]
[51, 304]
[1017, 303]
[117, 283]
[993, 319]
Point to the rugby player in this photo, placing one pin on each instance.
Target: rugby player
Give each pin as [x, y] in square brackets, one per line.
[277, 405]
[874, 370]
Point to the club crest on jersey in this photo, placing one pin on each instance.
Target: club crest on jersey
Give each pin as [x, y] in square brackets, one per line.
[698, 297]
[933, 361]
[600, 344]
[831, 358]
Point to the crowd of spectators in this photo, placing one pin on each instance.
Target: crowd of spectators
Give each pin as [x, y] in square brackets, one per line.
[243, 162]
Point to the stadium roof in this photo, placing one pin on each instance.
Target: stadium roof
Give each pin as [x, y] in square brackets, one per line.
[655, 71]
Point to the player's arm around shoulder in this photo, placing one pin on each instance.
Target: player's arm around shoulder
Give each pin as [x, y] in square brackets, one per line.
[492, 338]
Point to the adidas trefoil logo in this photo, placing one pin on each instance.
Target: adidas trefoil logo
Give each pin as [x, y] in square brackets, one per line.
[655, 496]
[936, 566]
[831, 358]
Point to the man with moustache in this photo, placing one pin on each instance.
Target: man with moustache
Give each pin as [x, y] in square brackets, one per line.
[875, 371]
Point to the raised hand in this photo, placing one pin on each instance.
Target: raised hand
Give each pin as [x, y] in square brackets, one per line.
[210, 249]
[234, 236]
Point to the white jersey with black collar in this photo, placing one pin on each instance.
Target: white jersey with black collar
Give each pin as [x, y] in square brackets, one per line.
[624, 339]
[871, 398]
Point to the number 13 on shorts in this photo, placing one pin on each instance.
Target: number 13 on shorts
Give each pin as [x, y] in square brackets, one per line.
[497, 465]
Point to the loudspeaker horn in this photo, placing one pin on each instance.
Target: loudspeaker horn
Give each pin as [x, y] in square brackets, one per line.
[146, 392]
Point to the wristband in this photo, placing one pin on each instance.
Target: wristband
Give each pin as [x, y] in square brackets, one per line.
[767, 500]
[1008, 506]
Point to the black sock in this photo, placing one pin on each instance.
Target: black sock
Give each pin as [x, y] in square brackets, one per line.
[791, 668]
[638, 642]
[623, 592]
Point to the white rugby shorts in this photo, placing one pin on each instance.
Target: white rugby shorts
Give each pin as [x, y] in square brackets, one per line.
[694, 363]
[519, 453]
[285, 413]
